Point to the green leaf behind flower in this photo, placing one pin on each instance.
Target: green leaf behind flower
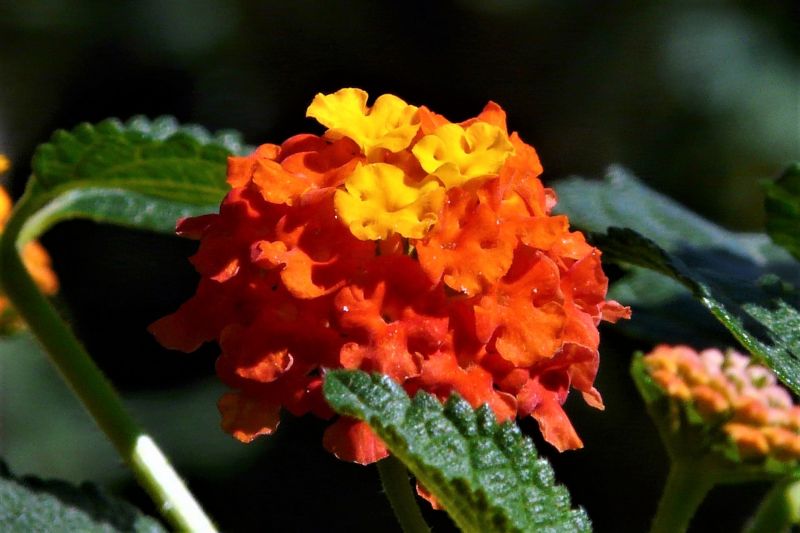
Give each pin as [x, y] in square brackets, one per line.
[31, 504]
[488, 476]
[782, 203]
[621, 200]
[738, 277]
[143, 174]
[762, 314]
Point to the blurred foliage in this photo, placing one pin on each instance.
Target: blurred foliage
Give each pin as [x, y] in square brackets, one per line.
[699, 98]
[32, 504]
[783, 209]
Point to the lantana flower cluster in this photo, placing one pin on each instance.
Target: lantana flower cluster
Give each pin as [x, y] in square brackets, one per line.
[729, 391]
[35, 259]
[396, 242]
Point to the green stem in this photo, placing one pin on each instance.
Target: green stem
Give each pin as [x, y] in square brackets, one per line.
[148, 463]
[397, 487]
[779, 510]
[687, 486]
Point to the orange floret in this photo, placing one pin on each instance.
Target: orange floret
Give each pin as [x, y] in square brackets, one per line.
[354, 441]
[708, 401]
[246, 418]
[314, 253]
[304, 162]
[470, 247]
[530, 289]
[749, 440]
[784, 443]
[401, 243]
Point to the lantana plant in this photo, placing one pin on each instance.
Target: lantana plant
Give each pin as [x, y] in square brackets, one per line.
[412, 280]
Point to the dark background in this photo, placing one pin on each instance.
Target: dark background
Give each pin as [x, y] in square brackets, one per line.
[699, 99]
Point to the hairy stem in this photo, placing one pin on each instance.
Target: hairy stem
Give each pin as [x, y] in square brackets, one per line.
[397, 487]
[148, 463]
[686, 488]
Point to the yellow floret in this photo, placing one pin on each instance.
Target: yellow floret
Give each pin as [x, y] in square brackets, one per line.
[390, 124]
[378, 201]
[457, 155]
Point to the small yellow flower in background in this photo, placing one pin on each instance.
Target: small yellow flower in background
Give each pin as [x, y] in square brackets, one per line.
[35, 258]
[378, 201]
[730, 392]
[390, 123]
[457, 155]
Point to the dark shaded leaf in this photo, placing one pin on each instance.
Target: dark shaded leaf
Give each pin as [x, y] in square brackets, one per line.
[31, 504]
[782, 204]
[763, 315]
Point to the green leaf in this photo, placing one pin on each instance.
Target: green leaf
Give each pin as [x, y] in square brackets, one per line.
[782, 204]
[739, 278]
[665, 310]
[621, 200]
[596, 205]
[142, 174]
[31, 504]
[487, 476]
[762, 314]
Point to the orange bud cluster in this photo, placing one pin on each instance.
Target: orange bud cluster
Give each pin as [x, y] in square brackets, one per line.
[399, 243]
[728, 390]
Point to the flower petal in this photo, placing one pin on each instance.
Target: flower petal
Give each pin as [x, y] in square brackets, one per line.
[247, 418]
[523, 312]
[390, 123]
[457, 155]
[378, 201]
[354, 441]
[469, 246]
[315, 253]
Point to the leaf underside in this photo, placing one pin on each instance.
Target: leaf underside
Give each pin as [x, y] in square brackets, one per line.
[738, 277]
[143, 173]
[487, 476]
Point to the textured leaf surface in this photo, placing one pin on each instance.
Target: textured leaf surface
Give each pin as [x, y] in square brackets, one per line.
[782, 204]
[736, 277]
[142, 174]
[488, 476]
[30, 504]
